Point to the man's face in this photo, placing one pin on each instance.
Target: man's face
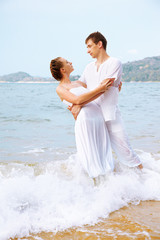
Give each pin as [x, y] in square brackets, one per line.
[92, 48]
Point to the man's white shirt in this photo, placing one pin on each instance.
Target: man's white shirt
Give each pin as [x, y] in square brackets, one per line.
[111, 68]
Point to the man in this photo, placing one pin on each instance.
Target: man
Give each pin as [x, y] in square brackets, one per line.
[94, 73]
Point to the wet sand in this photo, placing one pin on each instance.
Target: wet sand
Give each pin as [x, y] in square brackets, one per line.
[133, 222]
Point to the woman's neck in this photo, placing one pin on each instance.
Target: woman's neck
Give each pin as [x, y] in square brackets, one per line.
[65, 80]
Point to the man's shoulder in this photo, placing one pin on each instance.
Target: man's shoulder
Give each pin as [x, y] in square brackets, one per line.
[115, 60]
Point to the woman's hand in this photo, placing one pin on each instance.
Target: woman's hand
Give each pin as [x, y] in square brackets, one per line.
[106, 84]
[75, 109]
[120, 86]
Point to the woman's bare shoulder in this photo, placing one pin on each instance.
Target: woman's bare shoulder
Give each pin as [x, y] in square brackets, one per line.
[60, 88]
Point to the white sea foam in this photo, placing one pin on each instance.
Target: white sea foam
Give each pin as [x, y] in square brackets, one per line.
[58, 195]
[34, 151]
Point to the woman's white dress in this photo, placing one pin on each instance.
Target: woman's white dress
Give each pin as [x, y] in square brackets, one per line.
[92, 138]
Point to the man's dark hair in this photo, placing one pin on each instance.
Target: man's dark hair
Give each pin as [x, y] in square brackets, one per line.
[96, 37]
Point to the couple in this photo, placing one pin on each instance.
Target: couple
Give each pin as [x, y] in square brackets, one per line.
[93, 102]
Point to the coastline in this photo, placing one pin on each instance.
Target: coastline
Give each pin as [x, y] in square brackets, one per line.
[132, 222]
[29, 82]
[57, 82]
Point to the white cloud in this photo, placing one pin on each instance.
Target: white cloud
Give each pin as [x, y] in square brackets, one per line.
[133, 51]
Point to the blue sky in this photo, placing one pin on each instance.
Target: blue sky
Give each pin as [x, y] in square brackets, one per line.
[32, 32]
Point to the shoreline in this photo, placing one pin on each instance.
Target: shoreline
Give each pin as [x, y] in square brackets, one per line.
[29, 82]
[133, 222]
[57, 82]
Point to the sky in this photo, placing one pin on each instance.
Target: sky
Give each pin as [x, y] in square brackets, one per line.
[32, 32]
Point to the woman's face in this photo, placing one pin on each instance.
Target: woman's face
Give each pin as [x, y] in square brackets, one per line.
[67, 66]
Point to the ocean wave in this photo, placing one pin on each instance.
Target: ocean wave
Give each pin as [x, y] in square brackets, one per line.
[54, 196]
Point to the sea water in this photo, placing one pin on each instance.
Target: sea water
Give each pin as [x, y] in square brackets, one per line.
[42, 187]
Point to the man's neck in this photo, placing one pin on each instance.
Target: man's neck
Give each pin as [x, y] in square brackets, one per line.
[102, 57]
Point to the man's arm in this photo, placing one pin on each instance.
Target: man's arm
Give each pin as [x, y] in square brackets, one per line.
[119, 86]
[115, 71]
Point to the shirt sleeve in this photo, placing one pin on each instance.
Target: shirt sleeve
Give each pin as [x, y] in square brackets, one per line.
[115, 71]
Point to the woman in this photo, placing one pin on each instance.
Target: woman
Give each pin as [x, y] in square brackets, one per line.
[92, 139]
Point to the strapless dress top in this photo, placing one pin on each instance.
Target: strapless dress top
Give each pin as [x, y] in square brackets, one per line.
[77, 91]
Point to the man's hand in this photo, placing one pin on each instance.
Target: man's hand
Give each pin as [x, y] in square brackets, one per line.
[108, 81]
[106, 84]
[75, 109]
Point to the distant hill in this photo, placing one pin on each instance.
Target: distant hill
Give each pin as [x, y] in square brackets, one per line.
[13, 77]
[22, 77]
[144, 70]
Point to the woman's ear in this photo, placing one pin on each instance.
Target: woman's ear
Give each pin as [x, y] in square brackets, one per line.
[62, 70]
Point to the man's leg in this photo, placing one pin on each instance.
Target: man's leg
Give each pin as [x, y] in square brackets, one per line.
[120, 143]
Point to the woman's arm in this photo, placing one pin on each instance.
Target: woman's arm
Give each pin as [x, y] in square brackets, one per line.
[75, 109]
[92, 99]
[111, 80]
[63, 93]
